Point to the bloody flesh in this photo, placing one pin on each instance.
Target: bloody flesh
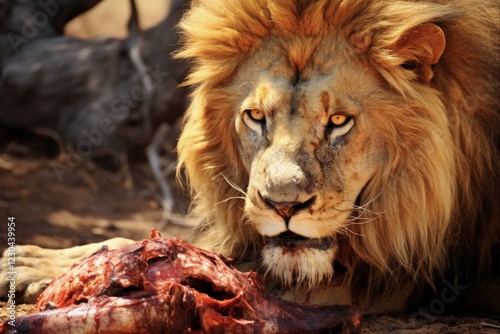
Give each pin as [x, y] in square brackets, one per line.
[168, 286]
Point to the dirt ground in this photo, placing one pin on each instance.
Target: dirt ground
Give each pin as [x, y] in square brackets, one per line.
[91, 205]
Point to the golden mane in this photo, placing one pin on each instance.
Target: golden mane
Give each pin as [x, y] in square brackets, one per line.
[438, 195]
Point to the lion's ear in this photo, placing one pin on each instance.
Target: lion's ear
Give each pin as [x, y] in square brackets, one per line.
[420, 48]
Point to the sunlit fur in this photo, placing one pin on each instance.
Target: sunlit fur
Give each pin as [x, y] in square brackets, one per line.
[431, 211]
[287, 265]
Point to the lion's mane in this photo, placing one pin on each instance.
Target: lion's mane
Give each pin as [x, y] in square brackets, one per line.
[438, 204]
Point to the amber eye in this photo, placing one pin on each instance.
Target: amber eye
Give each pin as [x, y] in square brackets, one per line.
[339, 119]
[256, 114]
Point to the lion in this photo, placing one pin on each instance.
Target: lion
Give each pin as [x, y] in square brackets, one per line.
[348, 149]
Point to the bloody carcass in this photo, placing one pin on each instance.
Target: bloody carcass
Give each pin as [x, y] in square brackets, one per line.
[168, 286]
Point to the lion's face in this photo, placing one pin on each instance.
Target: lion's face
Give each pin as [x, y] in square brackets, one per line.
[306, 139]
[358, 132]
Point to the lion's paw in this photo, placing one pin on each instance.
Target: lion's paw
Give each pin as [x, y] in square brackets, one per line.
[23, 277]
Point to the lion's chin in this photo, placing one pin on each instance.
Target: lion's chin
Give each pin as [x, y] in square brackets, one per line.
[300, 262]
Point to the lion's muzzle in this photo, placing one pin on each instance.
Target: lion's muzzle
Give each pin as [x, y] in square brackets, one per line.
[287, 209]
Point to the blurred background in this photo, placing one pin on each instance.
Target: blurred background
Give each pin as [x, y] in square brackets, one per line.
[90, 112]
[109, 18]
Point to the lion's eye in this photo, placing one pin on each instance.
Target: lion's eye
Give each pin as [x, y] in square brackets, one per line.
[338, 127]
[339, 119]
[255, 119]
[256, 114]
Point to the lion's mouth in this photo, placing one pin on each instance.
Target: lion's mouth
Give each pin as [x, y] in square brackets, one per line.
[290, 240]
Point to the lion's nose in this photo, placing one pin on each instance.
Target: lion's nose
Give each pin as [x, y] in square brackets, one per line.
[287, 209]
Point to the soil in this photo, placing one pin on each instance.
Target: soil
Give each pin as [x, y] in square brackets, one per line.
[91, 204]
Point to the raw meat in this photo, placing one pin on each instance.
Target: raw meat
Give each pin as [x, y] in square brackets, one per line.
[168, 286]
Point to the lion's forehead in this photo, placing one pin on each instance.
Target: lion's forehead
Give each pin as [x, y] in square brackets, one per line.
[329, 81]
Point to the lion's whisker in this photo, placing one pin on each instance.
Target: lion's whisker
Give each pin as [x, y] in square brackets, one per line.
[357, 222]
[233, 185]
[350, 232]
[231, 198]
[360, 212]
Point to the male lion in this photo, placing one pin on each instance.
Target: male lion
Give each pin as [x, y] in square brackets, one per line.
[348, 149]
